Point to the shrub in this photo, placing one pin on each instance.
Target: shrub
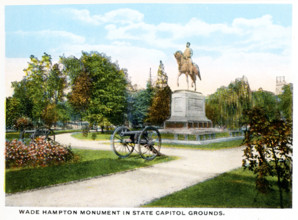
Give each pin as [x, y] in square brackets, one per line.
[38, 153]
[85, 131]
[93, 136]
[23, 123]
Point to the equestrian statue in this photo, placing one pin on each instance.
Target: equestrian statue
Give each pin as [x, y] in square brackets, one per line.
[186, 66]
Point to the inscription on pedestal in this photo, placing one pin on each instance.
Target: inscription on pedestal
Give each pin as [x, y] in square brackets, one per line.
[195, 104]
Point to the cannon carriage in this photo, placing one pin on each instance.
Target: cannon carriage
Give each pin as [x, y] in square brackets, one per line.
[146, 142]
[43, 132]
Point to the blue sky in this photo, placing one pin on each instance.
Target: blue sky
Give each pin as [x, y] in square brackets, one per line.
[228, 40]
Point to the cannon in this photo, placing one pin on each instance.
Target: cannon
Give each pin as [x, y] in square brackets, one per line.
[44, 132]
[146, 142]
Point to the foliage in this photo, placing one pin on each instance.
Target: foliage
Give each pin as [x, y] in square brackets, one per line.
[94, 135]
[41, 89]
[21, 96]
[80, 95]
[37, 153]
[269, 150]
[64, 113]
[266, 100]
[160, 110]
[50, 114]
[226, 105]
[138, 105]
[13, 111]
[286, 102]
[162, 78]
[103, 91]
[23, 123]
[85, 131]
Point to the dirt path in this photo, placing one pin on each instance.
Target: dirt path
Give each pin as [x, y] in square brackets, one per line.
[132, 188]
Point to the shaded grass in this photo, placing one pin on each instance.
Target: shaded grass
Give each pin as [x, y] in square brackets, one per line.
[211, 146]
[99, 136]
[15, 135]
[235, 189]
[91, 163]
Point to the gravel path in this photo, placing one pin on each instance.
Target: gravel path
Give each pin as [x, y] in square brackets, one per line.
[132, 188]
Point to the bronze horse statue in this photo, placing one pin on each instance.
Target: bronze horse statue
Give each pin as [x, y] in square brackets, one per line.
[188, 69]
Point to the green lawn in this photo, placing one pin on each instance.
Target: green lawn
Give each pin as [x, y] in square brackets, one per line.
[235, 189]
[99, 136]
[212, 146]
[91, 163]
[15, 135]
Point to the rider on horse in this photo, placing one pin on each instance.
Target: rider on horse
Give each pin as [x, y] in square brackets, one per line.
[188, 54]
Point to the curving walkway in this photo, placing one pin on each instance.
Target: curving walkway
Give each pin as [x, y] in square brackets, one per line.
[132, 188]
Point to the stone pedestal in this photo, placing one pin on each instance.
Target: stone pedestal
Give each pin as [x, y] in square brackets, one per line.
[187, 111]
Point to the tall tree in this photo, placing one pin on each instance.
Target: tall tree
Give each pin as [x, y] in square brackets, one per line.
[266, 100]
[139, 104]
[160, 110]
[41, 89]
[13, 111]
[225, 107]
[104, 90]
[286, 102]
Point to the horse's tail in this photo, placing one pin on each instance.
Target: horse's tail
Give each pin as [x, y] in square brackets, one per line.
[198, 71]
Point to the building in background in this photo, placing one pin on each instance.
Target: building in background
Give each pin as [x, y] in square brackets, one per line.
[280, 82]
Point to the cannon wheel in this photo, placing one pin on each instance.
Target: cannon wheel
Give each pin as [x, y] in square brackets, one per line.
[149, 143]
[121, 144]
[44, 132]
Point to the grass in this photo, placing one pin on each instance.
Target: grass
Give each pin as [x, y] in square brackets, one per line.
[15, 135]
[99, 136]
[91, 163]
[235, 189]
[211, 146]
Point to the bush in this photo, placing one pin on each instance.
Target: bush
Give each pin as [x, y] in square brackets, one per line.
[38, 153]
[23, 123]
[85, 131]
[93, 136]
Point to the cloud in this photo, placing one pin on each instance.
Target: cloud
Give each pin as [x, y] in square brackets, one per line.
[262, 34]
[120, 16]
[53, 34]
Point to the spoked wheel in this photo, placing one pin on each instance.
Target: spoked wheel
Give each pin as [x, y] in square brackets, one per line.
[149, 143]
[122, 142]
[46, 133]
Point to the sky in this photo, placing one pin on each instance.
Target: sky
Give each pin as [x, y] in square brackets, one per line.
[228, 40]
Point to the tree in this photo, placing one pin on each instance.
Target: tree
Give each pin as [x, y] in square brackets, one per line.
[22, 95]
[13, 111]
[50, 114]
[226, 105]
[139, 103]
[56, 84]
[269, 150]
[103, 91]
[160, 110]
[266, 100]
[63, 112]
[36, 77]
[286, 102]
[80, 95]
[40, 90]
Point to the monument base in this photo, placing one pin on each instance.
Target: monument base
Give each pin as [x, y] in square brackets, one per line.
[187, 111]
